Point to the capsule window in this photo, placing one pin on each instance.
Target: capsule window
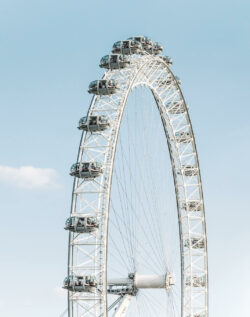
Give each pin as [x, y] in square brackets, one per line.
[81, 221]
[104, 60]
[83, 120]
[148, 40]
[118, 45]
[138, 39]
[113, 59]
[93, 84]
[126, 44]
[93, 120]
[102, 84]
[69, 221]
[74, 167]
[111, 82]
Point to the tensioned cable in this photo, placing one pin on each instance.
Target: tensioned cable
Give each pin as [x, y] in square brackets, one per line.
[149, 256]
[143, 205]
[139, 223]
[152, 188]
[138, 167]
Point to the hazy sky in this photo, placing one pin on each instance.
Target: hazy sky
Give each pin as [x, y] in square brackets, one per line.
[49, 52]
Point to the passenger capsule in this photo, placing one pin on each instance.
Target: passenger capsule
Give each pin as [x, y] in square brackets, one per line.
[76, 283]
[196, 281]
[156, 49]
[86, 170]
[145, 41]
[192, 205]
[127, 47]
[176, 107]
[81, 224]
[114, 61]
[188, 170]
[93, 123]
[167, 59]
[103, 87]
[194, 243]
[183, 137]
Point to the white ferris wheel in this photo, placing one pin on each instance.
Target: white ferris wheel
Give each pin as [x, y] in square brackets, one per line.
[137, 232]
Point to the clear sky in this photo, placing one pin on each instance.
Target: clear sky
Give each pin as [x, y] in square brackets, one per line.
[49, 51]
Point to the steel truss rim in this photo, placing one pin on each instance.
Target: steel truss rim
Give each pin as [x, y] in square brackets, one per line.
[148, 60]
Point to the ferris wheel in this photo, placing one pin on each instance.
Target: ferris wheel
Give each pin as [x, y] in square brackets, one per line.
[137, 231]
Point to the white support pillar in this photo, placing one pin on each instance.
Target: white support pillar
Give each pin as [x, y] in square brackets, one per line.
[123, 306]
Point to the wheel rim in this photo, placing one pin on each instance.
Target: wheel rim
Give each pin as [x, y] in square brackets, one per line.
[88, 253]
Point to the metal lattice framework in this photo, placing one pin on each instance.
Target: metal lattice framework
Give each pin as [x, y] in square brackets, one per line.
[88, 252]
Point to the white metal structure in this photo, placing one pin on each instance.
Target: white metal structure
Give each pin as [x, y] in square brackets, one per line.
[92, 197]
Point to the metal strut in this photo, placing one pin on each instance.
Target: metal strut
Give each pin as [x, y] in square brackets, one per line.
[113, 304]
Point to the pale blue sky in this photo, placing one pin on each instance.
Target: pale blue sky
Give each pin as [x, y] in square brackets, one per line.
[50, 50]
